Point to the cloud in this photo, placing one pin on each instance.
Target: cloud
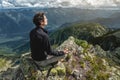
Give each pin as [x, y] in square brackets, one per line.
[62, 3]
[117, 2]
[7, 4]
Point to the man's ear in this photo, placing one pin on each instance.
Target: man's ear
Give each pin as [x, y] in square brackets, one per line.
[41, 22]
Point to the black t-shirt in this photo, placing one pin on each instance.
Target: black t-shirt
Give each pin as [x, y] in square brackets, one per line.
[40, 45]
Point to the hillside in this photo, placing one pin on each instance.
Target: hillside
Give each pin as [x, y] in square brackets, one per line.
[85, 31]
[83, 62]
[109, 41]
[14, 45]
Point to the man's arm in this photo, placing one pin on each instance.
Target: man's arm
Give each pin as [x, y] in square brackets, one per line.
[47, 48]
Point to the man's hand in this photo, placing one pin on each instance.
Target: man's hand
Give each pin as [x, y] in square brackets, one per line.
[66, 51]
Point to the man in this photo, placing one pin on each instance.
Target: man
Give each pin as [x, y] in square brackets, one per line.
[39, 40]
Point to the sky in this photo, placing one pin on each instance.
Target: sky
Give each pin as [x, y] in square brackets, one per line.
[60, 3]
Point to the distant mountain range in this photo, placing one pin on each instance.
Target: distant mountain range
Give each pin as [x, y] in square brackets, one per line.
[18, 23]
[112, 22]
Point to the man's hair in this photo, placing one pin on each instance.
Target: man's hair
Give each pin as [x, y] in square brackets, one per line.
[38, 18]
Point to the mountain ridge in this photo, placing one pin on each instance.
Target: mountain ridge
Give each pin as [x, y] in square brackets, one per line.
[80, 63]
[85, 31]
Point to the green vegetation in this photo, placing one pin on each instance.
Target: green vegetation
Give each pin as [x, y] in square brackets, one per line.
[82, 64]
[4, 40]
[108, 41]
[54, 46]
[58, 71]
[6, 51]
[99, 70]
[4, 64]
[14, 45]
[98, 65]
[82, 43]
[54, 72]
[92, 66]
[85, 31]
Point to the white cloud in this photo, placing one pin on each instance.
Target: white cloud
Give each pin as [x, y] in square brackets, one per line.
[61, 3]
[7, 4]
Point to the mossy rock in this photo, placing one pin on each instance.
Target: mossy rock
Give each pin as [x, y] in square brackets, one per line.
[53, 72]
[82, 43]
[58, 71]
[61, 71]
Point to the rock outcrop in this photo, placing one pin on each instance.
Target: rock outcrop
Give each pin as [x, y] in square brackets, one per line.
[83, 62]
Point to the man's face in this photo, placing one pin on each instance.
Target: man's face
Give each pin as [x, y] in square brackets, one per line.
[44, 22]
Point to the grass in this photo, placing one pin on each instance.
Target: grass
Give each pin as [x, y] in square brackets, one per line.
[98, 70]
[4, 64]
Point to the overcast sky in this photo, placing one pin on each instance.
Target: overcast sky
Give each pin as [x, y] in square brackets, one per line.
[60, 3]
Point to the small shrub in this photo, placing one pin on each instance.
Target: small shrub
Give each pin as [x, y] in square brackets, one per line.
[82, 43]
[61, 71]
[53, 72]
[82, 64]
